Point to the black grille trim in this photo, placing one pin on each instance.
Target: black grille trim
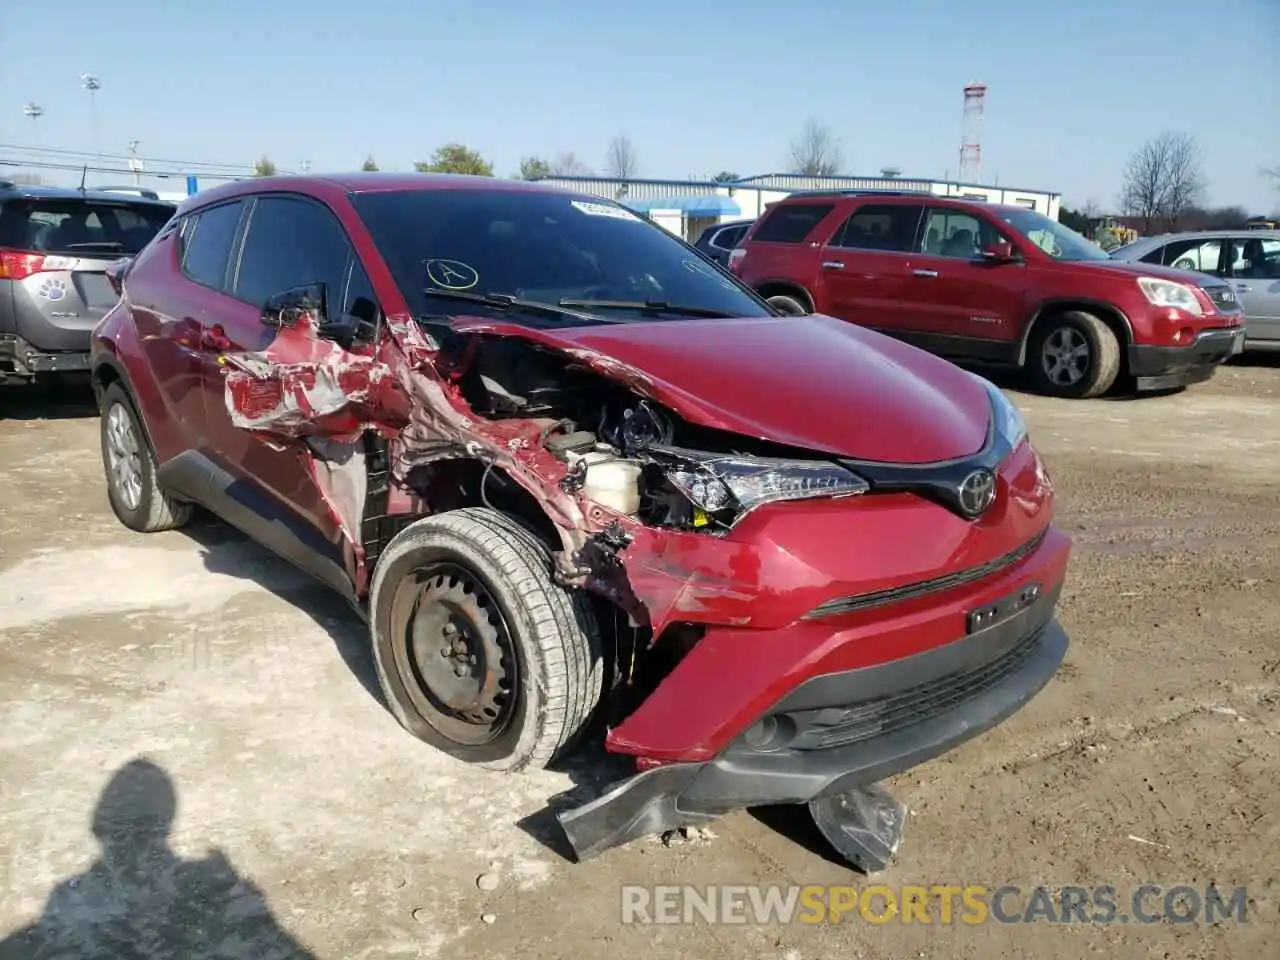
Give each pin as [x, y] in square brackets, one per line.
[888, 715]
[879, 598]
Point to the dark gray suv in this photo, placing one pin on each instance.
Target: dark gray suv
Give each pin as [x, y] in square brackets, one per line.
[55, 247]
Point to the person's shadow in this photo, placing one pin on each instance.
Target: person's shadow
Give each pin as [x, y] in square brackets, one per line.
[140, 900]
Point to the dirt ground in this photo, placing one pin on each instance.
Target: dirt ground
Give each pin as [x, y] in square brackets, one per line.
[305, 818]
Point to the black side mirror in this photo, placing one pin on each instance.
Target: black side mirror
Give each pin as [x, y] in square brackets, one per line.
[284, 309]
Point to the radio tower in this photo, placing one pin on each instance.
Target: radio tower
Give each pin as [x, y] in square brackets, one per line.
[975, 96]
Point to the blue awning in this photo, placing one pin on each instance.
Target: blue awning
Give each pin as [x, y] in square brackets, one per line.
[706, 205]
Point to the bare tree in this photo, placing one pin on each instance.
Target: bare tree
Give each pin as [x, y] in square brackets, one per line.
[815, 152]
[569, 165]
[1162, 181]
[620, 162]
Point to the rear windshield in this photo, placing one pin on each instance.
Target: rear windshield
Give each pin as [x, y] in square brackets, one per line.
[791, 222]
[545, 247]
[84, 227]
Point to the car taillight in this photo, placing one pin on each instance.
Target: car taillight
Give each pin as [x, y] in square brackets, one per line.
[736, 256]
[19, 264]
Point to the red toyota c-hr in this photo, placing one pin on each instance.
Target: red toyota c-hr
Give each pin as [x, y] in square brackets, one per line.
[571, 469]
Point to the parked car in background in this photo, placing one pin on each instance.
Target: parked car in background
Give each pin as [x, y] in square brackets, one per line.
[1247, 259]
[55, 247]
[565, 465]
[991, 284]
[718, 240]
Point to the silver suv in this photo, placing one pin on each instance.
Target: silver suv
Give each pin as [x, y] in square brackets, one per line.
[55, 247]
[1247, 259]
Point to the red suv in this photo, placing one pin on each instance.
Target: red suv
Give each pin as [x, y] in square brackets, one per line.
[991, 284]
[568, 468]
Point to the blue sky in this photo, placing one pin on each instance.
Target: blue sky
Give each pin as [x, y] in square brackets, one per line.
[1074, 87]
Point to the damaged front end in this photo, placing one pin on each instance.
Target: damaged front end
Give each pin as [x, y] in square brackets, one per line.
[667, 516]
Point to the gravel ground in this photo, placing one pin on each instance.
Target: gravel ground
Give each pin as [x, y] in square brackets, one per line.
[187, 731]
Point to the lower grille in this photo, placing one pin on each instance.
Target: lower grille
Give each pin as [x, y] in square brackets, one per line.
[876, 718]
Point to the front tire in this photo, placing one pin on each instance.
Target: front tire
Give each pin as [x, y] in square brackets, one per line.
[1074, 355]
[788, 305]
[478, 651]
[130, 466]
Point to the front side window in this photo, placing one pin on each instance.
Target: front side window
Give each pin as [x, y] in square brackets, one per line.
[1257, 259]
[553, 248]
[207, 242]
[1058, 241]
[291, 243]
[954, 233]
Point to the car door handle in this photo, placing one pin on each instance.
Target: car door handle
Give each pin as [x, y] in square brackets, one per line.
[1242, 287]
[832, 265]
[924, 273]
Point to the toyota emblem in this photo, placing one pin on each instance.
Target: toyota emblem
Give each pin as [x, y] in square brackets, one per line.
[977, 492]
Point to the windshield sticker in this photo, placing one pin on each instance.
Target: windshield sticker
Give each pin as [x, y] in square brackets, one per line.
[694, 266]
[604, 210]
[452, 274]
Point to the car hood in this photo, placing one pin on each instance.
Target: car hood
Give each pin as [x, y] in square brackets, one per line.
[812, 382]
[1127, 268]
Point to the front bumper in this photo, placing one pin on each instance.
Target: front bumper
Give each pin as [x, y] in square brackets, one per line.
[1162, 368]
[841, 731]
[20, 362]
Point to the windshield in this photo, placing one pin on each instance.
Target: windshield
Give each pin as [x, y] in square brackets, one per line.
[1059, 242]
[84, 227]
[552, 248]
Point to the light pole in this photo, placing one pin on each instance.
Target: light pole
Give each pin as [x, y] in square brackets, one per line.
[93, 84]
[135, 162]
[35, 112]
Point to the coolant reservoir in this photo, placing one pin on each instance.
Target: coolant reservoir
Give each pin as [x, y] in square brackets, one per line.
[612, 482]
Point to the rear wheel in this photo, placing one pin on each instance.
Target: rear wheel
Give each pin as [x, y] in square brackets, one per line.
[788, 305]
[1074, 354]
[479, 652]
[130, 466]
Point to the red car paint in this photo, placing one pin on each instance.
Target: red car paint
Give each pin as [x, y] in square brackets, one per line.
[207, 375]
[970, 307]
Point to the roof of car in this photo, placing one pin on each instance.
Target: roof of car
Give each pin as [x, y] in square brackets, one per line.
[10, 189]
[367, 182]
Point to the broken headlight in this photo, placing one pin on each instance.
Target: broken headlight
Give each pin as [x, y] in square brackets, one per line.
[716, 483]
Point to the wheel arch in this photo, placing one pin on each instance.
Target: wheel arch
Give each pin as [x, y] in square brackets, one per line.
[1108, 313]
[786, 288]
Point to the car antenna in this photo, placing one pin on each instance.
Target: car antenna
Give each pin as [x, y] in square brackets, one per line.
[83, 174]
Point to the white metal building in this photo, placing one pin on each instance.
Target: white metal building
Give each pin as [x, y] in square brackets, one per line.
[687, 207]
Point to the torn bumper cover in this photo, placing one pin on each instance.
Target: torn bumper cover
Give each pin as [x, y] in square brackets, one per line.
[839, 732]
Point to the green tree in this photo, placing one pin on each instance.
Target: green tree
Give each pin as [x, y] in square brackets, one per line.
[369, 165]
[726, 176]
[456, 158]
[264, 167]
[534, 168]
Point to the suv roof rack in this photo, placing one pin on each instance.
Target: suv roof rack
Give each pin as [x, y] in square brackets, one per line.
[141, 191]
[839, 192]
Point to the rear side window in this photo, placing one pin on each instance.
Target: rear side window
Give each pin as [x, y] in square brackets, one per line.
[207, 244]
[881, 226]
[728, 239]
[291, 243]
[83, 227]
[791, 222]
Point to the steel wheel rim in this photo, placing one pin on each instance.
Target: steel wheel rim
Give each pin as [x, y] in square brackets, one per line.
[1065, 356]
[454, 654]
[124, 457]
